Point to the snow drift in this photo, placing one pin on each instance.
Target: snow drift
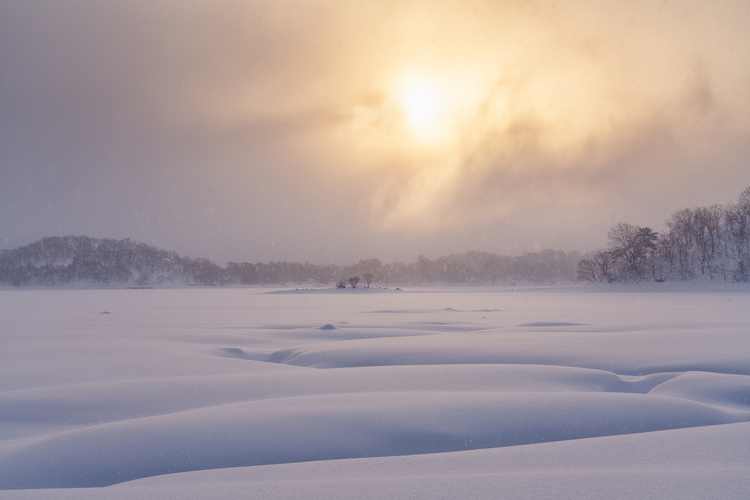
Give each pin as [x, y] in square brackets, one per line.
[422, 393]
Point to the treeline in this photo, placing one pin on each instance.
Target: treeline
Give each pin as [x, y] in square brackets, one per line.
[702, 242]
[59, 261]
[70, 260]
[708, 242]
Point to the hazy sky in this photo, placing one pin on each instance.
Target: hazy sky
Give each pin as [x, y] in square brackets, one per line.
[331, 131]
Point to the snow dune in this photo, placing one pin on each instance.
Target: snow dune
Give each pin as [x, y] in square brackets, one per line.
[438, 393]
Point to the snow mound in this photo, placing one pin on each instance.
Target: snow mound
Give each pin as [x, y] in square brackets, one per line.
[236, 352]
[309, 428]
[626, 353]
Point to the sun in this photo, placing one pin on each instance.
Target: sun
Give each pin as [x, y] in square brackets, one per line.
[422, 103]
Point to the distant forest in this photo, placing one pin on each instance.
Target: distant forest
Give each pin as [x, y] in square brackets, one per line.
[710, 243]
[70, 260]
[703, 242]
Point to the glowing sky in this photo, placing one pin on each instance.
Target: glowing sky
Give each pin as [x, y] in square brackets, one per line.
[338, 130]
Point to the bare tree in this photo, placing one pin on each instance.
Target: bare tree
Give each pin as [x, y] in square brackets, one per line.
[597, 268]
[368, 279]
[737, 223]
[354, 280]
[744, 200]
[587, 270]
[341, 283]
[631, 246]
[706, 228]
[603, 261]
[681, 229]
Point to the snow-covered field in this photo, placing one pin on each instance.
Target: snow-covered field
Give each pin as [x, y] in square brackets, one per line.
[420, 393]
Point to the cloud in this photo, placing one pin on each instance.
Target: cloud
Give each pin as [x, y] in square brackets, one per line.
[589, 124]
[273, 130]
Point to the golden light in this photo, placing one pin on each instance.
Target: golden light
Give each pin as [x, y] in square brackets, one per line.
[422, 102]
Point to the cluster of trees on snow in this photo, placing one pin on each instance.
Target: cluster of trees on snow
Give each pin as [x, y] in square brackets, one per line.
[58, 261]
[353, 281]
[61, 261]
[709, 242]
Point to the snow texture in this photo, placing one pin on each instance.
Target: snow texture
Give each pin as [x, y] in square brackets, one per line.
[427, 393]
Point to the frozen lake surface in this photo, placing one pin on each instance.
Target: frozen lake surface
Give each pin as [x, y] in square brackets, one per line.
[340, 394]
